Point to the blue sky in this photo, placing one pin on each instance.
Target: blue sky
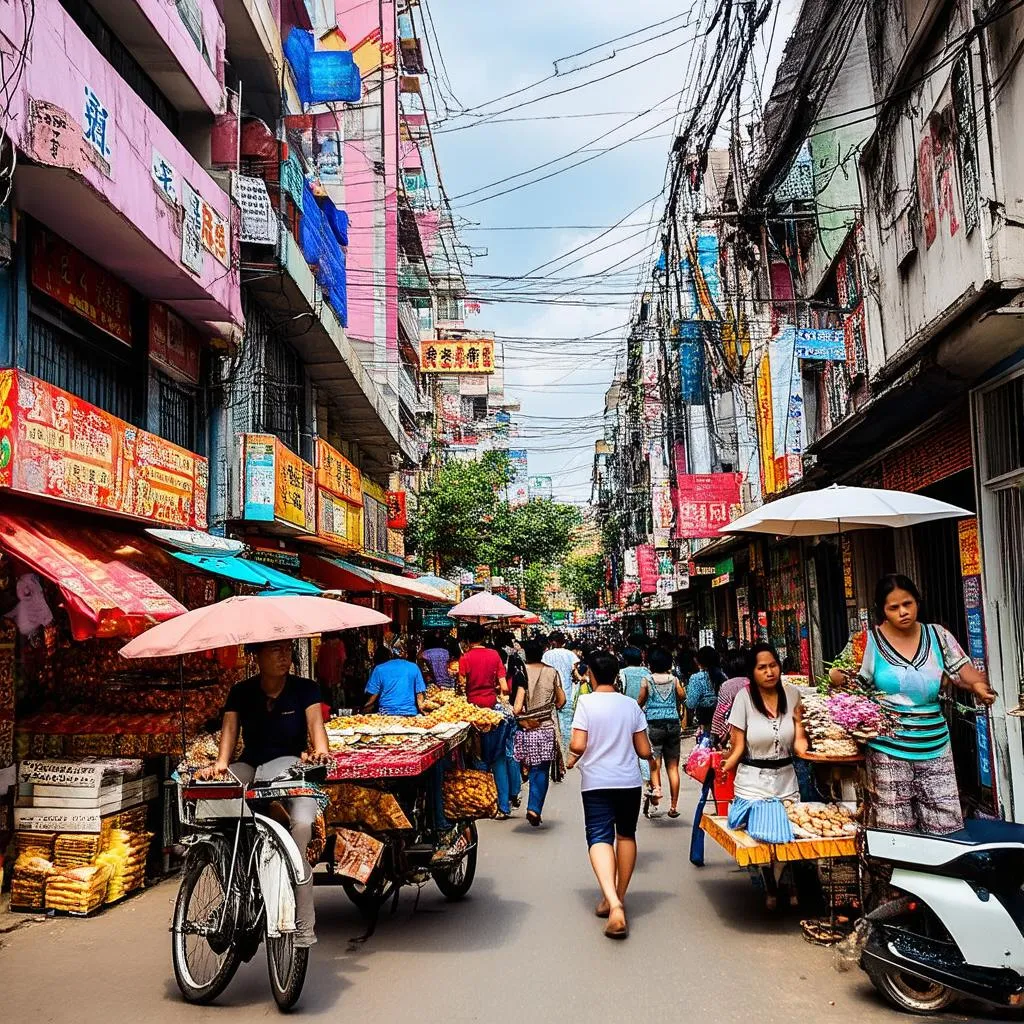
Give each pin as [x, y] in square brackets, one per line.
[490, 51]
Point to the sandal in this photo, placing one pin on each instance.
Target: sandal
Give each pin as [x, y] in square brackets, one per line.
[673, 813]
[533, 818]
[602, 909]
[502, 816]
[618, 926]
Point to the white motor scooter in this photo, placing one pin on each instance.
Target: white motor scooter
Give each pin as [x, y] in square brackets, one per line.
[955, 926]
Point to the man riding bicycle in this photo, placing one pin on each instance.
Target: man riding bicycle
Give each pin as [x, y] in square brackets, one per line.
[279, 716]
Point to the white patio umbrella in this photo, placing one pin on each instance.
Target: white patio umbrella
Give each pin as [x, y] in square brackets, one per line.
[485, 606]
[839, 509]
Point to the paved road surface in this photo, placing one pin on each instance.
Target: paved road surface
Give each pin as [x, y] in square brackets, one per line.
[525, 948]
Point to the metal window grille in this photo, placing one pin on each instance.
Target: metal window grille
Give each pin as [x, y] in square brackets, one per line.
[1003, 428]
[176, 411]
[97, 373]
[110, 47]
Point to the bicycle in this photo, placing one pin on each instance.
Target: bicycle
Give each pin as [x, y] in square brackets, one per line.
[220, 914]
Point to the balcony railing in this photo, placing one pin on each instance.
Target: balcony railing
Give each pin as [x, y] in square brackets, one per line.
[413, 279]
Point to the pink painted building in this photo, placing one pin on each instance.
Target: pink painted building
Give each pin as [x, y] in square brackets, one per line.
[102, 162]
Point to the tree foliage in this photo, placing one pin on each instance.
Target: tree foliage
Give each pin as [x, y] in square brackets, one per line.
[539, 531]
[535, 581]
[452, 523]
[463, 520]
[582, 576]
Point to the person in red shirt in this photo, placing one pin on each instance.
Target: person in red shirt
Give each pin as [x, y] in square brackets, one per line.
[482, 678]
[481, 672]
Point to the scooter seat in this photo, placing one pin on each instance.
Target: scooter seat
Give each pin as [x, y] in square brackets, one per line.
[981, 830]
[924, 850]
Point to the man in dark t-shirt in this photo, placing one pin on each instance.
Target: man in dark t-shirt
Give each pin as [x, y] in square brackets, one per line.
[280, 721]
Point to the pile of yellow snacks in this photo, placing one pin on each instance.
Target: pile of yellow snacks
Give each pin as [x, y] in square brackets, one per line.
[361, 805]
[28, 883]
[75, 851]
[78, 890]
[125, 854]
[469, 794]
[441, 707]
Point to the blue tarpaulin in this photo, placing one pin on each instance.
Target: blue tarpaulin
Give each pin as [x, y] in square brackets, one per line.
[321, 245]
[322, 76]
[691, 361]
[253, 574]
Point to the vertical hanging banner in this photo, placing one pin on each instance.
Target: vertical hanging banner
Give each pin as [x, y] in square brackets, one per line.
[787, 407]
[970, 570]
[191, 228]
[765, 424]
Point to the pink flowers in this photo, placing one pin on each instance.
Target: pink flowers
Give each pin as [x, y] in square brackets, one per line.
[855, 713]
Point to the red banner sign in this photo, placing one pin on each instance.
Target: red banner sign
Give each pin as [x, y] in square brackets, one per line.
[647, 566]
[706, 502]
[174, 343]
[73, 280]
[398, 516]
[54, 445]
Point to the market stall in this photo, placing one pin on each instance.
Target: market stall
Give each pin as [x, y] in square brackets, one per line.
[403, 805]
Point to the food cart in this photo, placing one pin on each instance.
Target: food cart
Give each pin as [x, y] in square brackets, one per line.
[393, 778]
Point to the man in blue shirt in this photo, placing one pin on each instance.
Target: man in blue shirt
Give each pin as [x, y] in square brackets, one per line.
[396, 686]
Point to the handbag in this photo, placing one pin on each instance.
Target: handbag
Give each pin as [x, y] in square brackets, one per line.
[534, 718]
[699, 761]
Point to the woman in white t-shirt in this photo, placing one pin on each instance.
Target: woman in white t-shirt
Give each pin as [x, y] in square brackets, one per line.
[609, 732]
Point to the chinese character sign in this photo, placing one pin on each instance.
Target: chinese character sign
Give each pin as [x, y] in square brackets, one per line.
[467, 355]
[398, 517]
[191, 228]
[97, 128]
[706, 502]
[334, 473]
[293, 490]
[165, 177]
[73, 280]
[54, 445]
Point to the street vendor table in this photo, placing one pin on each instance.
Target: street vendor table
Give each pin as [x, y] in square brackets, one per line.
[748, 852]
[390, 761]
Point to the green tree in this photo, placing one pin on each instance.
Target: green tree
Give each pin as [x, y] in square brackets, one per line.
[453, 521]
[582, 576]
[538, 531]
[535, 581]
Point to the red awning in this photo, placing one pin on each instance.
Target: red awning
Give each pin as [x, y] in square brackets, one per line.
[105, 594]
[341, 575]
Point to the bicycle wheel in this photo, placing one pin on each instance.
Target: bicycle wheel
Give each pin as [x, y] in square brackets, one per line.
[286, 965]
[201, 973]
[455, 882]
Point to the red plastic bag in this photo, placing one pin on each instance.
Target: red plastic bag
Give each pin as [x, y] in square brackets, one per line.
[699, 762]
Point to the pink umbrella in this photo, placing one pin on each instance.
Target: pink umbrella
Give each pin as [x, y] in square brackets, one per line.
[250, 620]
[485, 606]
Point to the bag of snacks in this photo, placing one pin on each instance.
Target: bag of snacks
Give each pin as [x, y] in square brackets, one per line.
[469, 794]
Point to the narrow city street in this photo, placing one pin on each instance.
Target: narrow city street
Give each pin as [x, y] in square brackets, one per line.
[524, 946]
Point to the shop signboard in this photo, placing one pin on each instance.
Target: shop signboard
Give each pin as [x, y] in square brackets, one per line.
[970, 569]
[398, 516]
[519, 487]
[765, 425]
[278, 485]
[339, 521]
[825, 343]
[849, 593]
[72, 279]
[174, 343]
[396, 543]
[466, 355]
[54, 445]
[294, 498]
[191, 228]
[337, 474]
[706, 502]
[724, 572]
[647, 567]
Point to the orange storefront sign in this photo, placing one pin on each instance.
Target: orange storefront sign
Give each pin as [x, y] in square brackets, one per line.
[336, 474]
[293, 489]
[54, 445]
